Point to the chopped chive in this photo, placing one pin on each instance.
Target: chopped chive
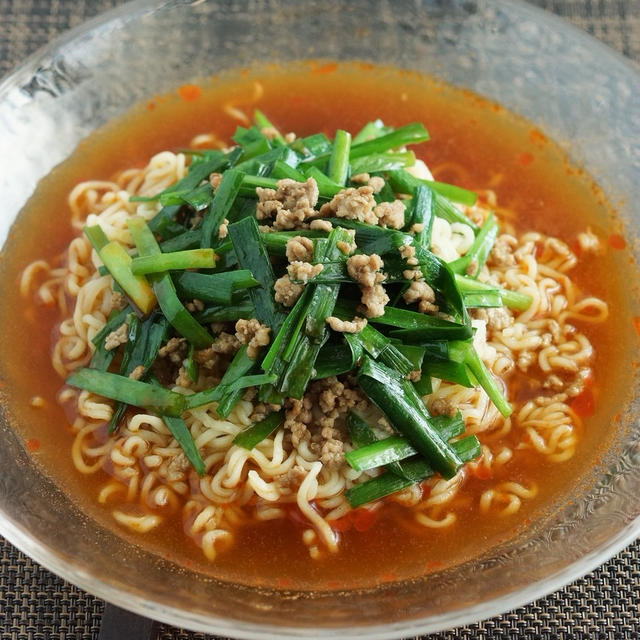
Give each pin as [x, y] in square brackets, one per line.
[220, 206]
[137, 288]
[339, 161]
[255, 434]
[392, 396]
[252, 255]
[511, 299]
[180, 431]
[188, 259]
[165, 291]
[134, 392]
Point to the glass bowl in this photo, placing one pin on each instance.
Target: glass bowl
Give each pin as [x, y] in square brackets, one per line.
[576, 89]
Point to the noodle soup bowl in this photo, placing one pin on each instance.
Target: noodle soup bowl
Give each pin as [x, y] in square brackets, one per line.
[576, 90]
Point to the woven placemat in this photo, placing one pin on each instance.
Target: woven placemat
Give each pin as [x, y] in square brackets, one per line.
[37, 605]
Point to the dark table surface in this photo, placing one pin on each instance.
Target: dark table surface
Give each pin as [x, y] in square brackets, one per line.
[37, 605]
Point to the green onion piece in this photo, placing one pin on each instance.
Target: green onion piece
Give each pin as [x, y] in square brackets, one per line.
[189, 259]
[96, 236]
[137, 288]
[379, 162]
[334, 359]
[479, 251]
[185, 240]
[264, 123]
[409, 134]
[405, 182]
[102, 357]
[466, 449]
[180, 431]
[220, 206]
[381, 452]
[216, 393]
[240, 366]
[165, 291]
[512, 299]
[255, 434]
[483, 376]
[226, 313]
[394, 397]
[134, 392]
[451, 371]
[216, 287]
[327, 188]
[483, 299]
[282, 170]
[339, 161]
[252, 255]
[371, 130]
[423, 206]
[198, 171]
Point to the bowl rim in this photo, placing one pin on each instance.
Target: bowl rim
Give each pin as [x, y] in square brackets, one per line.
[65, 567]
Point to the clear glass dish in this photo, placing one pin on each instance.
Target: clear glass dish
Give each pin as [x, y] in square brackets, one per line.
[576, 89]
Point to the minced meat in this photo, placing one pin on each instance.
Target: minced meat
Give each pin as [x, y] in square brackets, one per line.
[390, 214]
[347, 326]
[253, 334]
[353, 204]
[287, 292]
[420, 292]
[300, 248]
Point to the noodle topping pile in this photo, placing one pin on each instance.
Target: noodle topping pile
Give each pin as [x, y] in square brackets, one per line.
[313, 324]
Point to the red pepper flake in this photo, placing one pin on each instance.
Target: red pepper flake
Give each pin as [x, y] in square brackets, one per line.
[482, 472]
[189, 92]
[32, 445]
[151, 105]
[284, 583]
[329, 67]
[636, 324]
[584, 404]
[525, 158]
[341, 524]
[363, 519]
[616, 241]
[389, 576]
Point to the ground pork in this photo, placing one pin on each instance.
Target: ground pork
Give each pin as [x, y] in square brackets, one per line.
[390, 214]
[318, 418]
[253, 334]
[353, 204]
[183, 379]
[299, 248]
[223, 230]
[261, 410]
[321, 225]
[290, 204]
[287, 292]
[215, 179]
[117, 337]
[497, 319]
[408, 253]
[417, 227]
[366, 270]
[137, 373]
[347, 326]
[502, 252]
[224, 344]
[374, 299]
[194, 305]
[175, 350]
[375, 182]
[423, 294]
[303, 271]
[442, 407]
